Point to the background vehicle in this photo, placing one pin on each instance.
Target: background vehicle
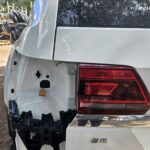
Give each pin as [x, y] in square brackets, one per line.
[12, 26]
[4, 35]
[86, 61]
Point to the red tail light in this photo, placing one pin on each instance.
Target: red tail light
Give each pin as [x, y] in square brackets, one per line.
[107, 89]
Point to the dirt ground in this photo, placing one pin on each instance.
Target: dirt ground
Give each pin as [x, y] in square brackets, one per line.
[5, 140]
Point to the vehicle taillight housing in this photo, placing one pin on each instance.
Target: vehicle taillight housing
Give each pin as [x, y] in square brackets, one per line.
[110, 89]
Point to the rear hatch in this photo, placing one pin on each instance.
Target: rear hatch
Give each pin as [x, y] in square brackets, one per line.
[103, 31]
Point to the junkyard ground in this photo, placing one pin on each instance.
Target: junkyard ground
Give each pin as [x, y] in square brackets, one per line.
[5, 140]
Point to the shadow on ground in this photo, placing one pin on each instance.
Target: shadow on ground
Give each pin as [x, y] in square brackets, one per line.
[5, 140]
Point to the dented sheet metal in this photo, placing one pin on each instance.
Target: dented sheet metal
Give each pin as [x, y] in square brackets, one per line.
[37, 39]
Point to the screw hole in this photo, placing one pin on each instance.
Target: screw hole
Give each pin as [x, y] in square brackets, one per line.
[38, 74]
[15, 63]
[12, 90]
[47, 76]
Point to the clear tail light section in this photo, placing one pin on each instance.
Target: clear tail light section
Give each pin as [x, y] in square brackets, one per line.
[110, 89]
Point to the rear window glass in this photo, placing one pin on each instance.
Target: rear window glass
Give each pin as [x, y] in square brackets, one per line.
[104, 13]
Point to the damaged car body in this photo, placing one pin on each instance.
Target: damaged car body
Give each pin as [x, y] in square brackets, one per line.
[78, 79]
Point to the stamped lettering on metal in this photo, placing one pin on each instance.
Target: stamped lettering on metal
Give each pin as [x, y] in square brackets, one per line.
[99, 140]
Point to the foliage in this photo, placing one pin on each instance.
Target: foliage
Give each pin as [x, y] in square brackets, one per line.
[118, 13]
[18, 3]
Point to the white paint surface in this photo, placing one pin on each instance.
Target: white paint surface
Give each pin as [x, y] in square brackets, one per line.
[37, 39]
[104, 45]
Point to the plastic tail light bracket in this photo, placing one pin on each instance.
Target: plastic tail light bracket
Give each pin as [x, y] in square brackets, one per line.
[111, 89]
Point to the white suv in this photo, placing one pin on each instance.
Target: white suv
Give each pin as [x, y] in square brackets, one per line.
[78, 78]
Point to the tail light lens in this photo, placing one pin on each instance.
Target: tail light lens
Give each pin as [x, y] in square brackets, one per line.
[107, 89]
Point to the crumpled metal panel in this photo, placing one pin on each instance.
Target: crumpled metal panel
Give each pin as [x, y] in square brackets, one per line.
[37, 39]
